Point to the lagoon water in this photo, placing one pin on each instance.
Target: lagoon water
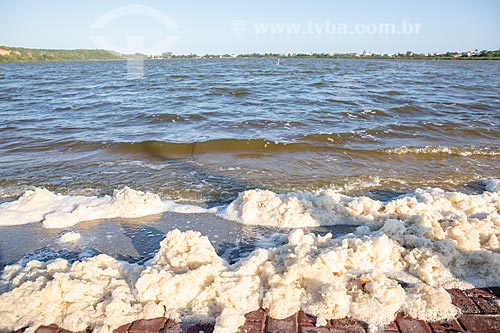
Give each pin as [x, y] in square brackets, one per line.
[355, 141]
[204, 130]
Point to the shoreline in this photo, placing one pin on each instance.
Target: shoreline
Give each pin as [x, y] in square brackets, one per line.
[270, 58]
[21, 54]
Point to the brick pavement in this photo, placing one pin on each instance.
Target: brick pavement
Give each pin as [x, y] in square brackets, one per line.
[480, 314]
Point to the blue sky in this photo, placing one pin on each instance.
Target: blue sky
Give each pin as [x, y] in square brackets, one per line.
[253, 26]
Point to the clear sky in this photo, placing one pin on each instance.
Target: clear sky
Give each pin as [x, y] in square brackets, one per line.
[223, 26]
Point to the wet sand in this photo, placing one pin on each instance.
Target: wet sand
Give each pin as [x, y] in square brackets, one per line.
[137, 240]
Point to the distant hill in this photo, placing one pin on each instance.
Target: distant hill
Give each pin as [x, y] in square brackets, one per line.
[20, 54]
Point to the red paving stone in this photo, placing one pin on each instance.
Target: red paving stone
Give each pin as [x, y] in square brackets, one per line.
[463, 302]
[52, 328]
[306, 320]
[123, 328]
[446, 326]
[148, 325]
[252, 327]
[348, 325]
[392, 327]
[480, 315]
[484, 299]
[412, 325]
[480, 323]
[487, 305]
[282, 325]
[312, 329]
[198, 329]
[258, 315]
[480, 292]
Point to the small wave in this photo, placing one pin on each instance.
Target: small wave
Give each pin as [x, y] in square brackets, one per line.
[65, 108]
[259, 123]
[344, 143]
[306, 72]
[356, 184]
[41, 146]
[443, 150]
[164, 148]
[364, 114]
[468, 88]
[170, 117]
[445, 103]
[406, 109]
[476, 106]
[340, 101]
[142, 164]
[238, 92]
[338, 138]
[393, 92]
[318, 84]
[172, 149]
[179, 76]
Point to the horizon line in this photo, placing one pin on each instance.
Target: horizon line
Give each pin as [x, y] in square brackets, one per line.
[365, 52]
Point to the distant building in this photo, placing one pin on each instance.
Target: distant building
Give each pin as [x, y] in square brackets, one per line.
[166, 55]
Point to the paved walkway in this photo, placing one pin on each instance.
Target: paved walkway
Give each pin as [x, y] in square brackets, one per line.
[480, 314]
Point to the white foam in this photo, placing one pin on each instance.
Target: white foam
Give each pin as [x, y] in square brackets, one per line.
[445, 150]
[430, 240]
[357, 276]
[60, 211]
[70, 237]
[470, 220]
[357, 184]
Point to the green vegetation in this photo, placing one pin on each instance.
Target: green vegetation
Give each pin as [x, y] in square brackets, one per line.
[19, 54]
[469, 55]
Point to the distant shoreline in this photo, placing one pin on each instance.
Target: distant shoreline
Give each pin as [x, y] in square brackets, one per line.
[203, 58]
[19, 55]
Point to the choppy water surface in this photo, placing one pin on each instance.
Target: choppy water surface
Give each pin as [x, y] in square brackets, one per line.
[205, 130]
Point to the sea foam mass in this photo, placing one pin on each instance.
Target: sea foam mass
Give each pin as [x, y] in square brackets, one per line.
[61, 211]
[401, 257]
